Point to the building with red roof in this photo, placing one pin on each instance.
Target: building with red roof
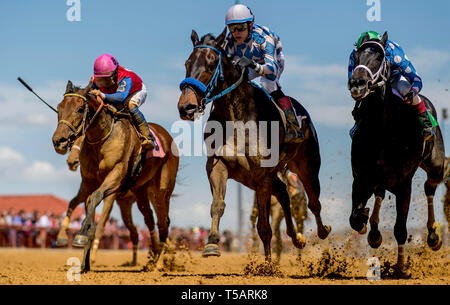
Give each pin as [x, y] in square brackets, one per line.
[41, 203]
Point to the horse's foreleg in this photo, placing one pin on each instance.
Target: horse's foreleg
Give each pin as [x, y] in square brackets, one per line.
[108, 188]
[361, 192]
[218, 176]
[263, 193]
[276, 212]
[106, 211]
[403, 198]
[374, 237]
[62, 239]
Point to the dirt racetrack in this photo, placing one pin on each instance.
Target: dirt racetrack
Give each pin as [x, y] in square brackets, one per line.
[321, 263]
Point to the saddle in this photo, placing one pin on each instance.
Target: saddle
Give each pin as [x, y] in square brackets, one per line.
[157, 152]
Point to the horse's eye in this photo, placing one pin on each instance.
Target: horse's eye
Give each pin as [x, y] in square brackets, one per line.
[80, 110]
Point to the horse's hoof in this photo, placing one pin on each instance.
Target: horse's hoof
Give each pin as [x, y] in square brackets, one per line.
[374, 239]
[62, 242]
[324, 233]
[401, 273]
[301, 241]
[80, 241]
[363, 230]
[434, 242]
[211, 250]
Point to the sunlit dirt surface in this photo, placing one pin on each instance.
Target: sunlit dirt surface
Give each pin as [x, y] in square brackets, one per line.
[321, 262]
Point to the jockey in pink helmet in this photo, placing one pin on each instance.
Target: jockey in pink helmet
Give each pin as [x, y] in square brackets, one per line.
[117, 85]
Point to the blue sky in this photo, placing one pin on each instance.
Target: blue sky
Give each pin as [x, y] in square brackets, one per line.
[153, 39]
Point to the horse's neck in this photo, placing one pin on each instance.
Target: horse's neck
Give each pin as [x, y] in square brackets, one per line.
[100, 128]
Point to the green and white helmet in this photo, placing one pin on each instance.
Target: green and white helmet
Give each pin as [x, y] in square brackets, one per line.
[372, 35]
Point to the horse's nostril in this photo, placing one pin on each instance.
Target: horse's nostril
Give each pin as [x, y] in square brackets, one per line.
[190, 108]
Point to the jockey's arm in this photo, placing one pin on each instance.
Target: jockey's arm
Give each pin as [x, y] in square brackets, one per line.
[400, 60]
[123, 90]
[270, 67]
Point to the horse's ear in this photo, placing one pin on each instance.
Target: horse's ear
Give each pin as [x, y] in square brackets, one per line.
[221, 38]
[69, 87]
[194, 37]
[384, 39]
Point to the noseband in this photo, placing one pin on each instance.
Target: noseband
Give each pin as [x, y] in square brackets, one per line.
[375, 83]
[207, 90]
[76, 131]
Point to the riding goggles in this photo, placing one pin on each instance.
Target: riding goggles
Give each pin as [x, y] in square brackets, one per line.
[240, 27]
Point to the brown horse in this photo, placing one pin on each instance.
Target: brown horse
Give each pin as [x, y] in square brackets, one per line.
[107, 158]
[236, 101]
[125, 203]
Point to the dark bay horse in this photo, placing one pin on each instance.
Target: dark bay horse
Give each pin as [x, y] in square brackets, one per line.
[106, 161]
[238, 101]
[387, 150]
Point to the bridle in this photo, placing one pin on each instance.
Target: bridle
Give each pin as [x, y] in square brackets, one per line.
[375, 81]
[82, 128]
[207, 90]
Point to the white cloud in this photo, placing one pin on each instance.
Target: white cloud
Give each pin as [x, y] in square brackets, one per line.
[429, 60]
[8, 156]
[321, 89]
[25, 110]
[14, 167]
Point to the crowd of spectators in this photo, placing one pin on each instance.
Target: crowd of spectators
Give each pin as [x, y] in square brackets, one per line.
[36, 230]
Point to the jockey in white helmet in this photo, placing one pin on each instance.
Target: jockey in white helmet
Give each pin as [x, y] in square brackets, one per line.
[260, 50]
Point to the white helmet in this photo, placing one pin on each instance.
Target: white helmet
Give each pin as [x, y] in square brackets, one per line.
[239, 13]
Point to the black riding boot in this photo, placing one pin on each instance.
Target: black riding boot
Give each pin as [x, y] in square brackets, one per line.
[148, 141]
[427, 131]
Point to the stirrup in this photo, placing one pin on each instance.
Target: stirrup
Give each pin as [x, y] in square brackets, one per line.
[148, 144]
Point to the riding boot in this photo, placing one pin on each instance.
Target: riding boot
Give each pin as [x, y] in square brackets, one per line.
[427, 131]
[293, 129]
[147, 141]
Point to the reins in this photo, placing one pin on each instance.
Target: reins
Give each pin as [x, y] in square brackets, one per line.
[83, 128]
[381, 70]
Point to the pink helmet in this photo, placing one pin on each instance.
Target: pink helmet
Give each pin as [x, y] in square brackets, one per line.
[105, 65]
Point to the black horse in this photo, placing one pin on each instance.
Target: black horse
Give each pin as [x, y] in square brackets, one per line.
[236, 101]
[388, 149]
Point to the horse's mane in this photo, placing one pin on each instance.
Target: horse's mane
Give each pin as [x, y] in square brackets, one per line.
[207, 38]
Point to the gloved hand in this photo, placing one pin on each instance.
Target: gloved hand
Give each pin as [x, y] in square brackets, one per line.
[410, 96]
[98, 93]
[244, 62]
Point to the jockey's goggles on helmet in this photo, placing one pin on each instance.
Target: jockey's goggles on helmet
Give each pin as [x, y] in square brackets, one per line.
[240, 27]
